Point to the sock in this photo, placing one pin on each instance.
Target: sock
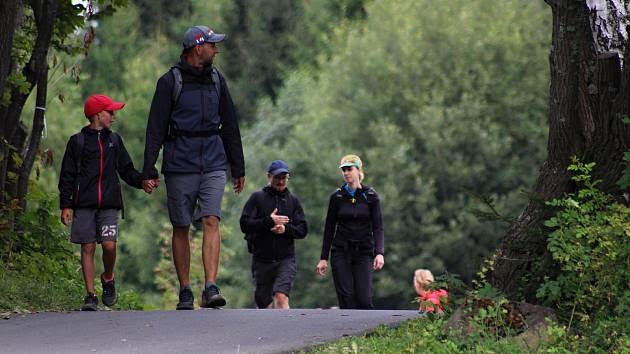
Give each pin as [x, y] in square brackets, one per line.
[210, 283]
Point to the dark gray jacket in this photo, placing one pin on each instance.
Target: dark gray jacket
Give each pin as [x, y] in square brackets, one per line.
[198, 109]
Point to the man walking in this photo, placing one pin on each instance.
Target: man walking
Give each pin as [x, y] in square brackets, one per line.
[192, 116]
[272, 218]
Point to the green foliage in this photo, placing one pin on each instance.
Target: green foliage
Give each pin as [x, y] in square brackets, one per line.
[39, 270]
[423, 335]
[591, 244]
[432, 122]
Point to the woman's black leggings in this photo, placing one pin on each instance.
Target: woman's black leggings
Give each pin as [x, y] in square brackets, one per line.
[352, 274]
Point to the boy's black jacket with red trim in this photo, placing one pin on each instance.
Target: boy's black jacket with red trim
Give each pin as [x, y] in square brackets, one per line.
[97, 185]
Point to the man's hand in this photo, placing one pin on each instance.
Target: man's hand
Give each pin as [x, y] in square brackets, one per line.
[66, 216]
[278, 229]
[278, 219]
[322, 267]
[379, 261]
[239, 184]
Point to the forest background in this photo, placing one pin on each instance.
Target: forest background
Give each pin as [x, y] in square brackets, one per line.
[446, 102]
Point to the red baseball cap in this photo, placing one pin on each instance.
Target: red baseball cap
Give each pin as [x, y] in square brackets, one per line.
[97, 103]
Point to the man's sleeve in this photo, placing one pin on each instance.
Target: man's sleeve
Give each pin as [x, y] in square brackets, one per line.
[157, 125]
[230, 133]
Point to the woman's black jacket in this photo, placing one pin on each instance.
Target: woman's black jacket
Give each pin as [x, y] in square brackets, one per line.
[354, 223]
[256, 223]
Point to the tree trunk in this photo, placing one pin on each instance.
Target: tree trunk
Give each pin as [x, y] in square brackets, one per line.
[9, 15]
[45, 19]
[589, 98]
[12, 131]
[8, 9]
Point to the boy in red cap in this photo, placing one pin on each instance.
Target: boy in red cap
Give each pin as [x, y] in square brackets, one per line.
[90, 194]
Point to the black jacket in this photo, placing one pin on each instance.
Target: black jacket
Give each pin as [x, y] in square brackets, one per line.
[256, 223]
[195, 110]
[354, 223]
[97, 185]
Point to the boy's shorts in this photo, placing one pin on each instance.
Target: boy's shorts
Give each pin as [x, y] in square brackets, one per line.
[94, 225]
[271, 278]
[186, 191]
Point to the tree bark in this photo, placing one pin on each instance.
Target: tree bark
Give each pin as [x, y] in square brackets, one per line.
[9, 15]
[589, 98]
[8, 18]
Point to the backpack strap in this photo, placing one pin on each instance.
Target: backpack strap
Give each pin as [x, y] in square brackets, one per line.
[216, 81]
[178, 82]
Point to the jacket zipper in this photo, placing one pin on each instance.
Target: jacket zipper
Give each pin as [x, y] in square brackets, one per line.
[100, 174]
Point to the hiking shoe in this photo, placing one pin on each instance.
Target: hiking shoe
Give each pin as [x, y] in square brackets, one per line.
[212, 297]
[90, 303]
[186, 299]
[109, 292]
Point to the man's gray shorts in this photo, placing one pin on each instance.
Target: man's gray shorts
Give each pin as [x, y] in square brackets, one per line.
[271, 278]
[185, 192]
[94, 225]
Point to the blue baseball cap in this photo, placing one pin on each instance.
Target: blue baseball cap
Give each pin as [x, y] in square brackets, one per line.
[277, 167]
[197, 35]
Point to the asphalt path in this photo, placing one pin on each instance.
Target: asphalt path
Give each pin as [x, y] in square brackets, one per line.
[199, 331]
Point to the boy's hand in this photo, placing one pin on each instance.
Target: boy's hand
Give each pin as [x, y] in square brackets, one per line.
[66, 216]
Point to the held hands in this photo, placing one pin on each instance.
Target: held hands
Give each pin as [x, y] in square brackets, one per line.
[66, 216]
[322, 267]
[148, 185]
[379, 261]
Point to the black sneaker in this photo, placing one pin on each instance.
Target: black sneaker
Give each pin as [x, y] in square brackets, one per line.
[90, 303]
[212, 297]
[186, 299]
[109, 292]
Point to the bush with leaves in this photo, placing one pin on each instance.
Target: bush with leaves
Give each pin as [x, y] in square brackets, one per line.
[591, 243]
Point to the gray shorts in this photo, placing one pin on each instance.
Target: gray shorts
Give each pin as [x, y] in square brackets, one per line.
[271, 278]
[94, 225]
[193, 196]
